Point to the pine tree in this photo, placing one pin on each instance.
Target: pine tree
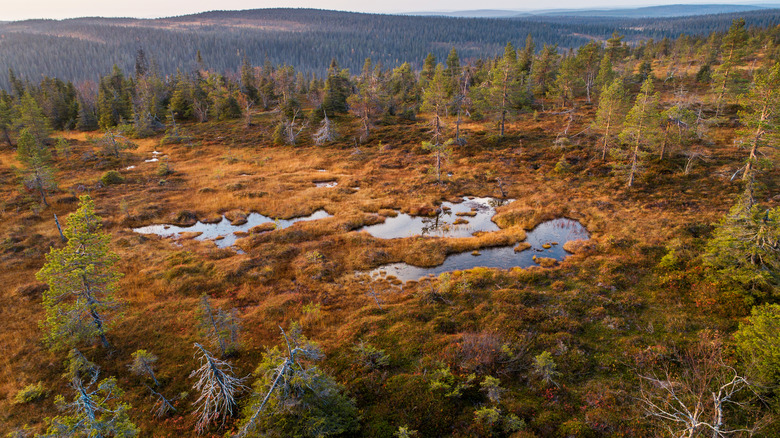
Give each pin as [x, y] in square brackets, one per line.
[369, 102]
[291, 397]
[761, 116]
[35, 156]
[6, 117]
[758, 339]
[610, 113]
[641, 128]
[733, 52]
[501, 93]
[679, 126]
[143, 365]
[404, 92]
[566, 83]
[605, 75]
[435, 102]
[452, 71]
[248, 81]
[114, 99]
[93, 413]
[615, 49]
[82, 280]
[525, 56]
[589, 63]
[428, 70]
[543, 70]
[181, 102]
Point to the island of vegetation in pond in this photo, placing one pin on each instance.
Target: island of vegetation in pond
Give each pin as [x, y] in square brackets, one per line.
[224, 233]
[452, 219]
[546, 242]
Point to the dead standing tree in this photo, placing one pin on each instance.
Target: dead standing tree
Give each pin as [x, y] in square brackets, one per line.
[218, 389]
[703, 397]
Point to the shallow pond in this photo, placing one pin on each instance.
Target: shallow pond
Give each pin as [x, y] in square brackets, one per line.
[557, 231]
[222, 231]
[460, 219]
[327, 184]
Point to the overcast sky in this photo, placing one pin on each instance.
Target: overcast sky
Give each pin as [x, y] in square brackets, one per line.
[23, 9]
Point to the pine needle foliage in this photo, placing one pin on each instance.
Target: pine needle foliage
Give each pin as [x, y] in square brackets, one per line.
[82, 279]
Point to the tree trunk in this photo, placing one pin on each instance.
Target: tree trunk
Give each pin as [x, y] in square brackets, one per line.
[59, 228]
[753, 156]
[457, 126]
[438, 163]
[39, 183]
[663, 144]
[7, 137]
[606, 139]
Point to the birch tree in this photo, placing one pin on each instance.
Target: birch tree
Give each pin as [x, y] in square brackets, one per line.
[82, 280]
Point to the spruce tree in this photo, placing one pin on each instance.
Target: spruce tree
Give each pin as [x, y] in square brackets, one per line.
[82, 279]
[743, 255]
[337, 89]
[32, 118]
[404, 92]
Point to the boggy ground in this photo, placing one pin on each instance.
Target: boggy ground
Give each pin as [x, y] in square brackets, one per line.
[605, 313]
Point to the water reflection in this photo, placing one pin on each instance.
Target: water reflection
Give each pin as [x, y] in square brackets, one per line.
[222, 232]
[460, 219]
[554, 233]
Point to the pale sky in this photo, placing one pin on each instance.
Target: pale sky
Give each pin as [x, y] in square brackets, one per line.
[24, 9]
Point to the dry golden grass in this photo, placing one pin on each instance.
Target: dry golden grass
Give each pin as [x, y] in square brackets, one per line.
[232, 171]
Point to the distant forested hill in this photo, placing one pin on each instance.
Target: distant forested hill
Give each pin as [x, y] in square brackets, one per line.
[81, 49]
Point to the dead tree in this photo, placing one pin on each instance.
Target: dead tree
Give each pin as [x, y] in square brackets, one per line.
[325, 133]
[218, 389]
[161, 405]
[142, 365]
[220, 327]
[703, 397]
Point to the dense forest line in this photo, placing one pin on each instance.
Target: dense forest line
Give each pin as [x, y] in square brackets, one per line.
[79, 49]
[663, 323]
